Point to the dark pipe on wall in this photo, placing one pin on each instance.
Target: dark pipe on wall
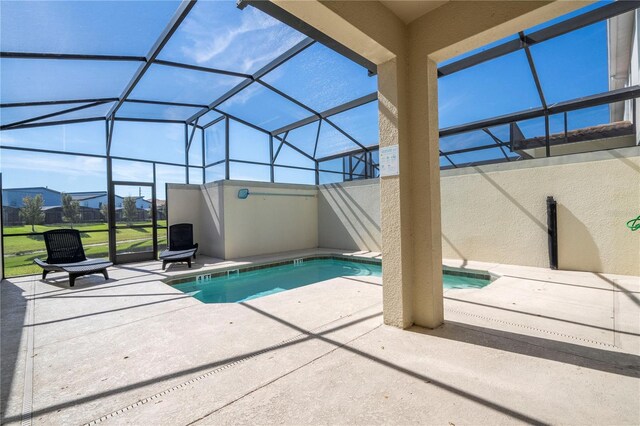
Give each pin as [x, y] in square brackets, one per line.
[552, 230]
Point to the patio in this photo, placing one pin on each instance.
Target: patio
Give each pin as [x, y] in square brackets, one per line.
[429, 133]
[535, 346]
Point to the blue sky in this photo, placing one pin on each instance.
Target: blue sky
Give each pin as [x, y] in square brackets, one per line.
[217, 34]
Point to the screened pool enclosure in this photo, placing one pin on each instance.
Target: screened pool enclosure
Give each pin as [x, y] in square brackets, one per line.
[103, 103]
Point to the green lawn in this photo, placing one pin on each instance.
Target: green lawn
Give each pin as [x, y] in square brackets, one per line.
[26, 229]
[21, 250]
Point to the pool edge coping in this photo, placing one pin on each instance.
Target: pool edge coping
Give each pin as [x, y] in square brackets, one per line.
[216, 272]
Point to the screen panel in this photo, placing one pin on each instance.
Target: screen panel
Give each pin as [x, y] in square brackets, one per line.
[287, 175]
[361, 123]
[321, 78]
[156, 111]
[242, 40]
[573, 65]
[149, 141]
[214, 139]
[254, 172]
[263, 108]
[85, 138]
[462, 100]
[81, 27]
[303, 138]
[172, 84]
[34, 80]
[248, 144]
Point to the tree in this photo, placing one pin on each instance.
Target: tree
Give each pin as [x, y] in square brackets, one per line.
[31, 211]
[130, 210]
[70, 209]
[104, 211]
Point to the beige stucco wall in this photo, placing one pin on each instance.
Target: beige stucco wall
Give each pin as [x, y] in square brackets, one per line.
[211, 212]
[349, 216]
[227, 227]
[497, 213]
[264, 224]
[183, 206]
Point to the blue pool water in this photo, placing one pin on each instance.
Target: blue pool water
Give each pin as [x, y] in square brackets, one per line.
[263, 282]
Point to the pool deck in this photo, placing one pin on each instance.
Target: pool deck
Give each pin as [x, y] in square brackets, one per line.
[535, 346]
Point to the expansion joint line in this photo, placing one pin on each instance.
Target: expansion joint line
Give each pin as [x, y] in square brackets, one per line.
[541, 330]
[287, 342]
[270, 382]
[192, 381]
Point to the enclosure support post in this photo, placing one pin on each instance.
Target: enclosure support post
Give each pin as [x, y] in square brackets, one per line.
[271, 157]
[226, 148]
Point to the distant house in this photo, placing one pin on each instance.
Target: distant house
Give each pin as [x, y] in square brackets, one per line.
[90, 204]
[96, 200]
[13, 197]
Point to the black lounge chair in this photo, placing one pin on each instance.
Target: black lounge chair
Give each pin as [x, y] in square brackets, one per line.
[65, 254]
[181, 246]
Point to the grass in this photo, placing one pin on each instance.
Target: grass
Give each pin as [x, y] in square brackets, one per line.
[20, 251]
[26, 229]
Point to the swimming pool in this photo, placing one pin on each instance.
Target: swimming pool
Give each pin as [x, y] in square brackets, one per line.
[240, 286]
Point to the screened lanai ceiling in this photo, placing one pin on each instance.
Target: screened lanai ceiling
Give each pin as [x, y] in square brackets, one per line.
[203, 63]
[185, 62]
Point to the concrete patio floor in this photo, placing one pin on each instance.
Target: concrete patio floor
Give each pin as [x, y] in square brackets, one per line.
[535, 346]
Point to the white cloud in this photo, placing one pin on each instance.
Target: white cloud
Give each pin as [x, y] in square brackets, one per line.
[255, 40]
[71, 166]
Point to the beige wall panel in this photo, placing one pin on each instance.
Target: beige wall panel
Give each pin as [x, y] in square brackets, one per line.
[498, 213]
[349, 216]
[212, 220]
[263, 224]
[183, 206]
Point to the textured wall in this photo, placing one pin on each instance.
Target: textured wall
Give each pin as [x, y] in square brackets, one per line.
[183, 206]
[227, 227]
[212, 220]
[497, 213]
[263, 224]
[493, 213]
[349, 216]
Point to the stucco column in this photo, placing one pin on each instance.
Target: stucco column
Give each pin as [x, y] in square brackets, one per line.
[410, 202]
[407, 87]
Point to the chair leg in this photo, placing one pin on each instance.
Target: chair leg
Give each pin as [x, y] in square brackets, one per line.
[44, 274]
[189, 262]
[164, 264]
[72, 280]
[105, 274]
